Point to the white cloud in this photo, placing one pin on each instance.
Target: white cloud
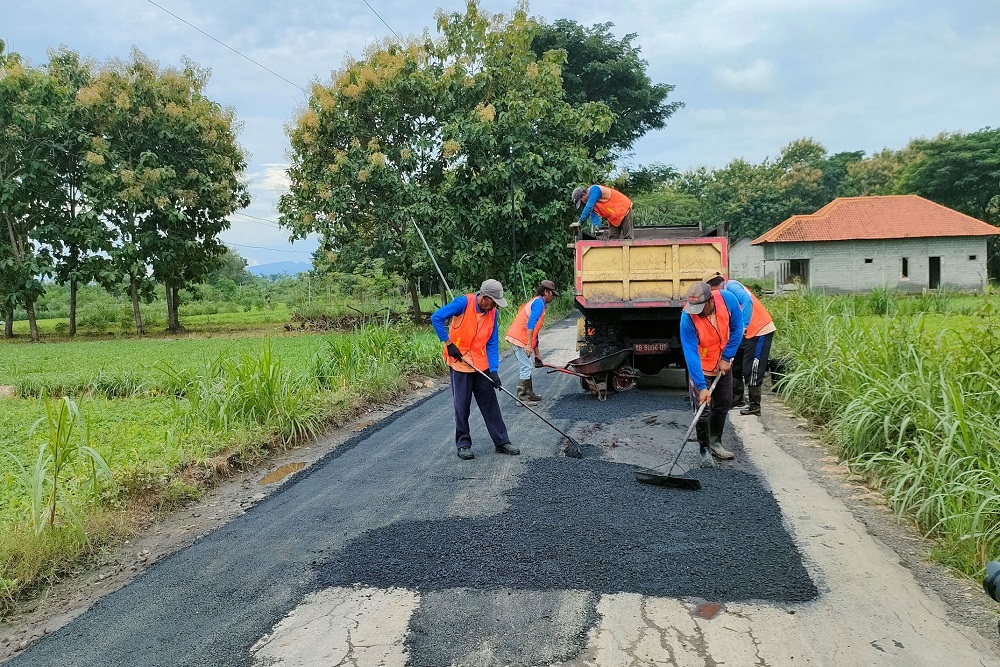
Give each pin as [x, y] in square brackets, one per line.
[756, 78]
[272, 178]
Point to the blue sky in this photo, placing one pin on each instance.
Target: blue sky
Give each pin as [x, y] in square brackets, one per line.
[754, 74]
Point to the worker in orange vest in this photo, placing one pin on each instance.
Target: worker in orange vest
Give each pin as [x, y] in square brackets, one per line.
[750, 362]
[711, 330]
[471, 343]
[607, 203]
[522, 334]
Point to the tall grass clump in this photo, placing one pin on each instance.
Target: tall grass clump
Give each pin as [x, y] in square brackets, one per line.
[253, 388]
[911, 405]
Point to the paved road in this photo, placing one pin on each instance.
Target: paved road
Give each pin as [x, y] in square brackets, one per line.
[392, 551]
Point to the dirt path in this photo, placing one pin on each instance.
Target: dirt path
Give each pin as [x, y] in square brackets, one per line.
[391, 551]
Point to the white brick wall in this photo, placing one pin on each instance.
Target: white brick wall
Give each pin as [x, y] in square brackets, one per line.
[840, 266]
[745, 260]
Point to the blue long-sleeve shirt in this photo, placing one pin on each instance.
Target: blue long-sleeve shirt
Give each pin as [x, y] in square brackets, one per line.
[457, 307]
[743, 296]
[689, 340]
[537, 308]
[593, 196]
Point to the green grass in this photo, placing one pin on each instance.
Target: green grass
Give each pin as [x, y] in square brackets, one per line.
[911, 399]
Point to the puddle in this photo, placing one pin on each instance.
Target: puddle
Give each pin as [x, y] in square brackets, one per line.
[707, 610]
[281, 473]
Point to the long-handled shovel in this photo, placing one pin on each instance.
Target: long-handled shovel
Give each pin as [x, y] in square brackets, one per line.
[573, 448]
[650, 476]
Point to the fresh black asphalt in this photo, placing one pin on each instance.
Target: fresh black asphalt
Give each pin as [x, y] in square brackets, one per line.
[531, 534]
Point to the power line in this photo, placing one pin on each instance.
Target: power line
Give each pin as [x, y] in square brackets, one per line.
[383, 21]
[257, 247]
[263, 222]
[234, 50]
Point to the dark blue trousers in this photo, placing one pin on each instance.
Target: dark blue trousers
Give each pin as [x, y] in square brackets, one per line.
[463, 387]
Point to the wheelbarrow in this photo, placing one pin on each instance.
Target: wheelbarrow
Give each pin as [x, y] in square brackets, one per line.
[598, 374]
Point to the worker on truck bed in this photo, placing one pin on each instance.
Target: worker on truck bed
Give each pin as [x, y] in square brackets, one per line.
[607, 203]
[758, 330]
[473, 337]
[711, 330]
[523, 336]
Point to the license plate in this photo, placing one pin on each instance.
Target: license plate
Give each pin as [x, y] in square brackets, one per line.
[650, 348]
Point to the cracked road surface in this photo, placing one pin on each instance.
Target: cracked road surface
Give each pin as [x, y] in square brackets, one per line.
[392, 551]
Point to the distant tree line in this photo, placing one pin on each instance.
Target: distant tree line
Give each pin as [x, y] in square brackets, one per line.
[121, 174]
[958, 170]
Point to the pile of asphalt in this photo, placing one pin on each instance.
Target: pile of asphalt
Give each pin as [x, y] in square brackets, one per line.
[582, 406]
[588, 525]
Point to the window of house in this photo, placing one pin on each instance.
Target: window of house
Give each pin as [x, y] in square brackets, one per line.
[905, 269]
[869, 260]
[972, 258]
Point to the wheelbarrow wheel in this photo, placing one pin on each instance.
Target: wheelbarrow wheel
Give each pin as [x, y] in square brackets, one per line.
[625, 378]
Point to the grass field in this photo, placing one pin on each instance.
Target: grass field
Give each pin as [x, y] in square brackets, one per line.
[908, 392]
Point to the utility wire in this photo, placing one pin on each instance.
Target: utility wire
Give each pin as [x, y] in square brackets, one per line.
[263, 222]
[234, 50]
[383, 21]
[257, 247]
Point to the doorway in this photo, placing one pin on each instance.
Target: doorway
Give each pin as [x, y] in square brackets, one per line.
[934, 279]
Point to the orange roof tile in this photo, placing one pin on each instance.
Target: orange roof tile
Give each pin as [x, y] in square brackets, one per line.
[883, 217]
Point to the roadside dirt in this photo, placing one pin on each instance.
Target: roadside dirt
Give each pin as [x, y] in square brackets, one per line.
[964, 598]
[64, 601]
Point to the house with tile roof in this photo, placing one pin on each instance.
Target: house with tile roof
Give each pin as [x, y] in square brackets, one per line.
[853, 244]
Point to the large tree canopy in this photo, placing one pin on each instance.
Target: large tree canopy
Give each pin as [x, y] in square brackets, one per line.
[427, 133]
[601, 68]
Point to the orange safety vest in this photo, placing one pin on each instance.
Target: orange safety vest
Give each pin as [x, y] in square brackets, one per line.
[759, 319]
[518, 329]
[612, 206]
[470, 335]
[712, 341]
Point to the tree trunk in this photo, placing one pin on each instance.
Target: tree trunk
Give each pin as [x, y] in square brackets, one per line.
[415, 300]
[134, 293]
[29, 307]
[73, 287]
[173, 317]
[8, 322]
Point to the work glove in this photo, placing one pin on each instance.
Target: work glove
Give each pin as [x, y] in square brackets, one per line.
[496, 380]
[454, 352]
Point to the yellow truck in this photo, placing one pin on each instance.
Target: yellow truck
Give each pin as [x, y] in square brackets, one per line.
[631, 293]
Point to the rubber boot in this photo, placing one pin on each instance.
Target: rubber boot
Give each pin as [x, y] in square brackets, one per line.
[753, 408]
[530, 392]
[717, 423]
[522, 391]
[701, 429]
[738, 400]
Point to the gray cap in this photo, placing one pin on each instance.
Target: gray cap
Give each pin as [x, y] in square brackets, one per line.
[578, 196]
[697, 296]
[494, 290]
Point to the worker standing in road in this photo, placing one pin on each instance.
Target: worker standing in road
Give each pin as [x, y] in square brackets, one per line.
[523, 336]
[750, 362]
[473, 337]
[607, 203]
[711, 329]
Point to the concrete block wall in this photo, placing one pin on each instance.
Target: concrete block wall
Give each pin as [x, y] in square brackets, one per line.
[840, 266]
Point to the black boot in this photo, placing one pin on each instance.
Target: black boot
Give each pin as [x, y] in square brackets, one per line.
[701, 429]
[753, 408]
[738, 399]
[717, 424]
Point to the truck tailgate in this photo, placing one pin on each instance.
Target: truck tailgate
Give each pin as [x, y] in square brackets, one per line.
[646, 273]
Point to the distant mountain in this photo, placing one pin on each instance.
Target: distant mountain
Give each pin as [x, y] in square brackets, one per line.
[280, 268]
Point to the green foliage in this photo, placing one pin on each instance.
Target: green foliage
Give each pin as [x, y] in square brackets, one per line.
[910, 400]
[600, 68]
[422, 133]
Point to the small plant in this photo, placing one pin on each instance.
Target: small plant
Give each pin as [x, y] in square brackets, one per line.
[61, 452]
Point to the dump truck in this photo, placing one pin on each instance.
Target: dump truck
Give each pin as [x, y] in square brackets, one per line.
[631, 293]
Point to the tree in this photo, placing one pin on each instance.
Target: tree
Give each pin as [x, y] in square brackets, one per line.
[74, 233]
[163, 173]
[421, 133]
[231, 266]
[27, 182]
[878, 175]
[602, 68]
